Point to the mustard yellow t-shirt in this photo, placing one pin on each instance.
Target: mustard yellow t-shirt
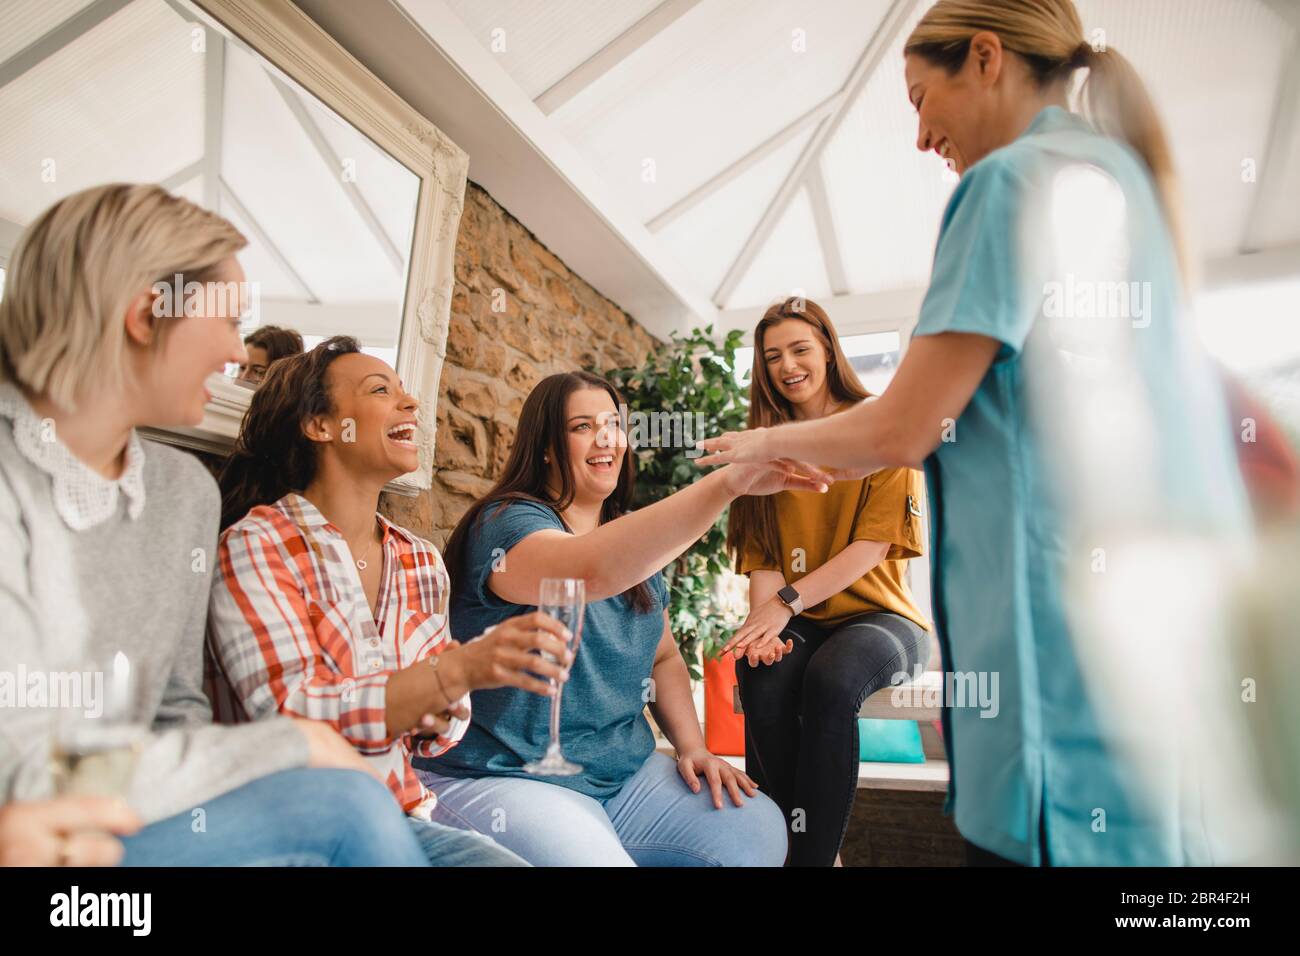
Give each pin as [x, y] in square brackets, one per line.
[812, 528]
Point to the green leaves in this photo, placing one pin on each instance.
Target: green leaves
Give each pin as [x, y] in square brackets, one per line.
[689, 375]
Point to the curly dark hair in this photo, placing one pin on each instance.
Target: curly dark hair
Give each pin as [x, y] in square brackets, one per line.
[272, 455]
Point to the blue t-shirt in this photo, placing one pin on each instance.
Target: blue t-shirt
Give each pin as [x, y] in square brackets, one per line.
[602, 720]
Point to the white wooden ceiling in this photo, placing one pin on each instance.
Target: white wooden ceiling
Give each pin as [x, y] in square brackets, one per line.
[96, 91]
[669, 100]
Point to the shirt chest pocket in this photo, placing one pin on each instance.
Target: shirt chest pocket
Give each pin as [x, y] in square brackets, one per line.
[336, 634]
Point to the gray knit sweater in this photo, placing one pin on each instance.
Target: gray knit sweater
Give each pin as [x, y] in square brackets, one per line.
[135, 581]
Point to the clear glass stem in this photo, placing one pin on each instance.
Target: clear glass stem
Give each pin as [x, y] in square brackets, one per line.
[555, 714]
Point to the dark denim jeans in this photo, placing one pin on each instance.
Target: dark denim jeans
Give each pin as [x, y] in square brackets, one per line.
[801, 728]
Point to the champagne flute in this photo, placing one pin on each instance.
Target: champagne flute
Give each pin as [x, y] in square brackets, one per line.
[95, 744]
[565, 600]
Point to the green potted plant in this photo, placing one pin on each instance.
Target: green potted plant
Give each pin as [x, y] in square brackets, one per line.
[690, 382]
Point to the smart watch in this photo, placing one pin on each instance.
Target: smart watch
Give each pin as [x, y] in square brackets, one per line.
[791, 599]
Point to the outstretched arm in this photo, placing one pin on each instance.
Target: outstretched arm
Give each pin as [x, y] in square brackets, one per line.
[622, 553]
[930, 390]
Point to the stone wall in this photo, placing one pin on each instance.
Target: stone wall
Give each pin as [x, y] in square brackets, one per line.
[518, 314]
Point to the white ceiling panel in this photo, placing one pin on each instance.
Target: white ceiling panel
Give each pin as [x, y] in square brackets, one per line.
[539, 43]
[23, 22]
[121, 102]
[1279, 222]
[707, 239]
[886, 197]
[790, 263]
[273, 282]
[712, 86]
[1212, 67]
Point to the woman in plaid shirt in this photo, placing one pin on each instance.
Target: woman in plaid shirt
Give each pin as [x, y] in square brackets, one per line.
[323, 609]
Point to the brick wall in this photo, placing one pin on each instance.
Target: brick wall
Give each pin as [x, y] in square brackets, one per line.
[518, 314]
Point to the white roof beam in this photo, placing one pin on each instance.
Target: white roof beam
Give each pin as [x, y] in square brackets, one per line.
[1276, 161]
[427, 55]
[746, 162]
[612, 54]
[214, 115]
[56, 39]
[1288, 10]
[183, 12]
[334, 164]
[183, 176]
[825, 222]
[894, 19]
[267, 242]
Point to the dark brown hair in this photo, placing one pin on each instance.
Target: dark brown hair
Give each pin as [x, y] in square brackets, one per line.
[273, 456]
[543, 431]
[279, 343]
[753, 518]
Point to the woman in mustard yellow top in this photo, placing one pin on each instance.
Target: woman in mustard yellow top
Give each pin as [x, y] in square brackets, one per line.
[831, 618]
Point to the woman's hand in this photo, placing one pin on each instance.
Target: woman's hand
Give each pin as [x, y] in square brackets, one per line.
[65, 831]
[437, 725]
[700, 763]
[762, 630]
[755, 446]
[767, 650]
[327, 750]
[771, 477]
[501, 657]
[750, 446]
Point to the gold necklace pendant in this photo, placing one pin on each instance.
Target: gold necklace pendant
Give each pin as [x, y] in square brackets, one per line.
[361, 562]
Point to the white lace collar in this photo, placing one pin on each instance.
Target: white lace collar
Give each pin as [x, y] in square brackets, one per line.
[82, 496]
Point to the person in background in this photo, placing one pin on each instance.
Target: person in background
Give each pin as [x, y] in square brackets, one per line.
[322, 608]
[831, 619]
[1043, 436]
[266, 344]
[560, 510]
[107, 543]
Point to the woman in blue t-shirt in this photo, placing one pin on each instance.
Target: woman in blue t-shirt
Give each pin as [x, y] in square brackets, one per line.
[560, 510]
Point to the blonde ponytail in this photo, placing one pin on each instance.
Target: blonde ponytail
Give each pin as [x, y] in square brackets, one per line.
[1116, 101]
[1048, 35]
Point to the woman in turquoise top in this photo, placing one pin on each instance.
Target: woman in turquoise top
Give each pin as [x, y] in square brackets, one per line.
[1025, 315]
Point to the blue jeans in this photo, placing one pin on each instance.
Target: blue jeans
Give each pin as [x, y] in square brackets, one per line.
[304, 818]
[654, 820]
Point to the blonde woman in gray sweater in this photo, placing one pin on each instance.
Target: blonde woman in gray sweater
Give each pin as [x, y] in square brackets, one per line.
[107, 545]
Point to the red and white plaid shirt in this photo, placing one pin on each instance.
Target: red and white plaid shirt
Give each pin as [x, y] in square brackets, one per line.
[291, 631]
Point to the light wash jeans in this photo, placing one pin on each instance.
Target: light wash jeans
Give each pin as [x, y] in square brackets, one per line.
[654, 820]
[307, 818]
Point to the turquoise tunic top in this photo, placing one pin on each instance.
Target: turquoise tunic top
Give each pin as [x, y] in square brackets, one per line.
[1036, 777]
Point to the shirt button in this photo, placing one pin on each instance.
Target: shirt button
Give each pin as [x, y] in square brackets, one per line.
[375, 665]
[374, 642]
